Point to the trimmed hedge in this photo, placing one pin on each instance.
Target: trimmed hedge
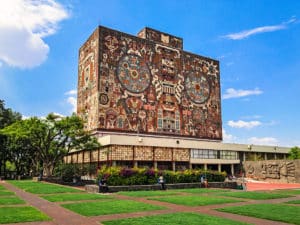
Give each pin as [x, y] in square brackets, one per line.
[143, 176]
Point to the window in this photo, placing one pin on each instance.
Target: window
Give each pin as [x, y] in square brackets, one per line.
[204, 154]
[228, 155]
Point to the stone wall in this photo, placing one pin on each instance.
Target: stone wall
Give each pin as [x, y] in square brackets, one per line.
[95, 188]
[279, 171]
[129, 153]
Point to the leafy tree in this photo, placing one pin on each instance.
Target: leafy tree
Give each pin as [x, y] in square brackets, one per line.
[51, 138]
[294, 153]
[7, 117]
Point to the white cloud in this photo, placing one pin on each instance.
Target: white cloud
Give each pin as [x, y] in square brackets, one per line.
[232, 93]
[58, 114]
[71, 92]
[72, 100]
[257, 30]
[263, 141]
[23, 25]
[244, 124]
[229, 138]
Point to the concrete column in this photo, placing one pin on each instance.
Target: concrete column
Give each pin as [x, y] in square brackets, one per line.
[266, 156]
[244, 156]
[190, 165]
[135, 164]
[173, 166]
[232, 169]
[255, 156]
[219, 167]
[275, 156]
[114, 163]
[155, 165]
[205, 166]
[284, 156]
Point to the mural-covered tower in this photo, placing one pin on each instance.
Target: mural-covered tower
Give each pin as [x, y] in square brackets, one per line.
[147, 84]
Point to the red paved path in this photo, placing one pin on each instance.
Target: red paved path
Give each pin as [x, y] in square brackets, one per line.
[256, 186]
[62, 216]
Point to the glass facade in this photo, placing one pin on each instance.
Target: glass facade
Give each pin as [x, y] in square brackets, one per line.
[213, 154]
[228, 155]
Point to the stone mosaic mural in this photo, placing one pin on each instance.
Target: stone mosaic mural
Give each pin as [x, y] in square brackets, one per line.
[274, 170]
[147, 84]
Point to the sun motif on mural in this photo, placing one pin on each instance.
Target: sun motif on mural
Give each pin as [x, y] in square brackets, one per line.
[133, 73]
[197, 87]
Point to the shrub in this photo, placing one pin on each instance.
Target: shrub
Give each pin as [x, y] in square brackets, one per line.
[141, 176]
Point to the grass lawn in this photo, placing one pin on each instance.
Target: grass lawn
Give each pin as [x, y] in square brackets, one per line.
[42, 188]
[74, 197]
[201, 190]
[21, 214]
[147, 193]
[277, 212]
[174, 219]
[2, 188]
[109, 207]
[294, 202]
[11, 200]
[290, 192]
[5, 193]
[255, 195]
[194, 200]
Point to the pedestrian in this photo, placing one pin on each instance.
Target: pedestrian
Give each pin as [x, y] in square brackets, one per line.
[103, 185]
[161, 181]
[201, 181]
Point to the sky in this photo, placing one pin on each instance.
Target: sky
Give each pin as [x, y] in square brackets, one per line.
[256, 42]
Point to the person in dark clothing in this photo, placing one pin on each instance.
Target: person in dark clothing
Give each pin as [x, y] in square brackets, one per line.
[103, 185]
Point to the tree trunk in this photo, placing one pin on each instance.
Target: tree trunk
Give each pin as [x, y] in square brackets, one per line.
[48, 169]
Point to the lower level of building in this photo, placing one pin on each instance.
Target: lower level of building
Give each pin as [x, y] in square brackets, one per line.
[172, 153]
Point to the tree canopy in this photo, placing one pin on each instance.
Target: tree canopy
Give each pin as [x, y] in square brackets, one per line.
[7, 117]
[49, 139]
[294, 153]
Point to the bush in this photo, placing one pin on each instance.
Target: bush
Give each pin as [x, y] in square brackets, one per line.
[142, 176]
[69, 171]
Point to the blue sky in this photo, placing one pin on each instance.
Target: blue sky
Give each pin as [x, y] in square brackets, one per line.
[256, 42]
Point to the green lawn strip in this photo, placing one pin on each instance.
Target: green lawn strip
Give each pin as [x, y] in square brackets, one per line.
[2, 188]
[194, 200]
[276, 212]
[5, 193]
[109, 207]
[255, 195]
[74, 197]
[11, 200]
[21, 214]
[201, 190]
[293, 202]
[148, 193]
[174, 219]
[42, 188]
[290, 192]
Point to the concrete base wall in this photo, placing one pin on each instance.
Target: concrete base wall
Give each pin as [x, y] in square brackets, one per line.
[95, 188]
[277, 171]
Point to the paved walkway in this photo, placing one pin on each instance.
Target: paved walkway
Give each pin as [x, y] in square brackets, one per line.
[256, 186]
[62, 216]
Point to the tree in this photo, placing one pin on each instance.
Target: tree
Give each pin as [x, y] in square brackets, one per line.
[294, 153]
[51, 138]
[7, 117]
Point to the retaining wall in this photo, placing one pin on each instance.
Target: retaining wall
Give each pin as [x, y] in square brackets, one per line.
[95, 188]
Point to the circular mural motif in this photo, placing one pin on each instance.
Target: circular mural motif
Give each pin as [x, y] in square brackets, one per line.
[133, 73]
[197, 87]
